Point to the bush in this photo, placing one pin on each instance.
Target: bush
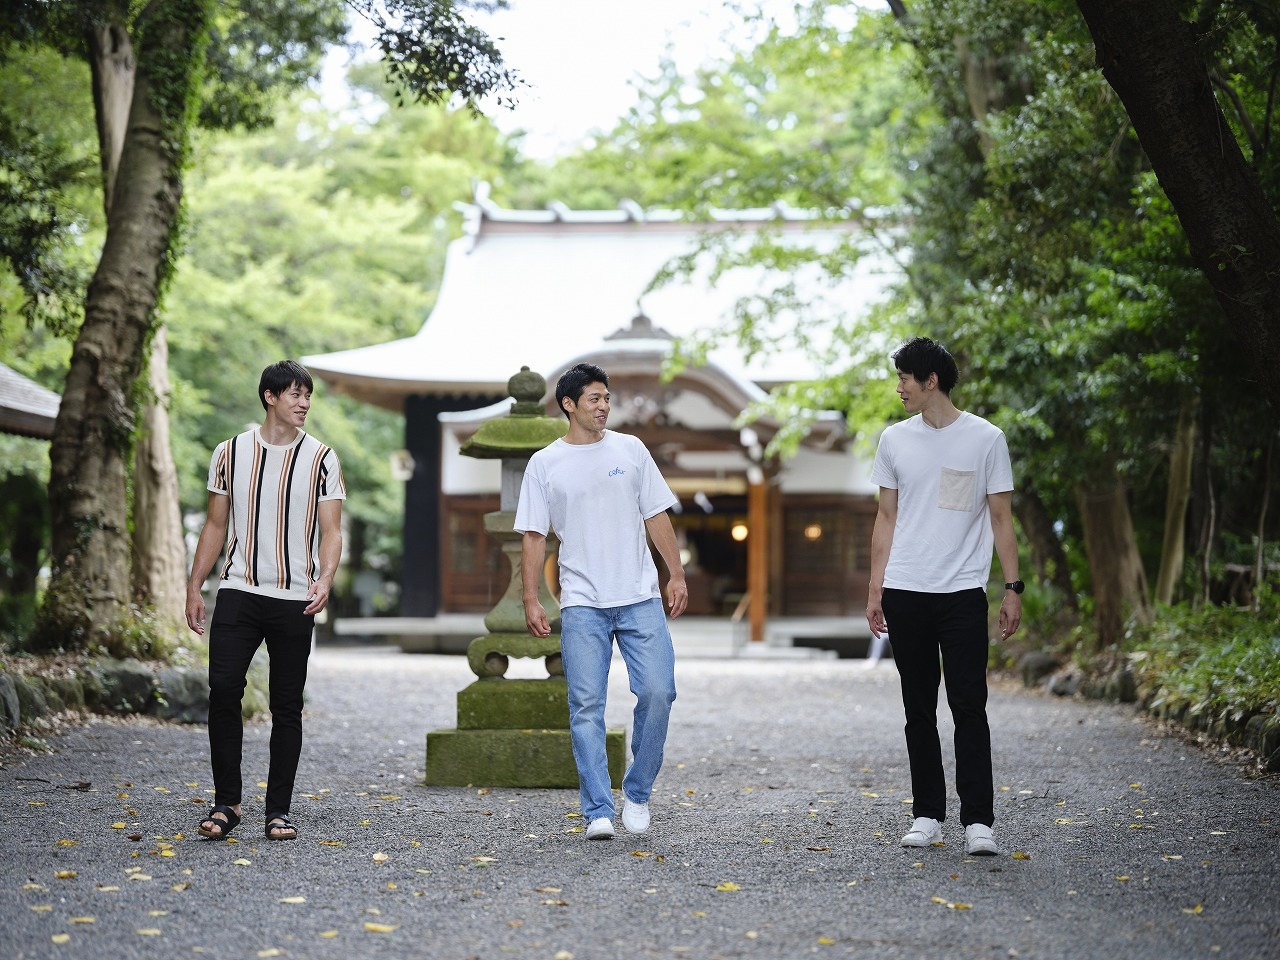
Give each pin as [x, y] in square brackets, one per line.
[1220, 665]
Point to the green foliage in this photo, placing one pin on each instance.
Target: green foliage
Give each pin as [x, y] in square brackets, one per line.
[1221, 664]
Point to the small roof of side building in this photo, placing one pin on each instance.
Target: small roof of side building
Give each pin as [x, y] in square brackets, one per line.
[537, 287]
[26, 408]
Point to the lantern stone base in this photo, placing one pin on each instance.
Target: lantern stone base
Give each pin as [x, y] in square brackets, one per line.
[513, 757]
[499, 704]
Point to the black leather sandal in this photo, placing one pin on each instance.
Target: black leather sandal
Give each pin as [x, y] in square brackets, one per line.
[222, 827]
[280, 821]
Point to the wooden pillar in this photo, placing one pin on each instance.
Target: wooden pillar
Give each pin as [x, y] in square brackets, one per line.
[420, 561]
[757, 557]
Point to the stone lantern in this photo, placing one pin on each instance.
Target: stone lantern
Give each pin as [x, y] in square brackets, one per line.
[514, 732]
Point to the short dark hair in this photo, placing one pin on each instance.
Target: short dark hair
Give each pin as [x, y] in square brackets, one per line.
[576, 379]
[921, 356]
[282, 375]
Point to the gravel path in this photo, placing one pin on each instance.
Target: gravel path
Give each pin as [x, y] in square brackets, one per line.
[775, 828]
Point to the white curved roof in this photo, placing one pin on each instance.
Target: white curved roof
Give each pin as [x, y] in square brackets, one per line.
[538, 287]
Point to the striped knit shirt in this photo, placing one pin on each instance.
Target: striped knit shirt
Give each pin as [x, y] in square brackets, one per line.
[273, 533]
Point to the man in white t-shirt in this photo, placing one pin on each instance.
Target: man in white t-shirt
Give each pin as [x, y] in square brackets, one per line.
[601, 493]
[946, 488]
[275, 501]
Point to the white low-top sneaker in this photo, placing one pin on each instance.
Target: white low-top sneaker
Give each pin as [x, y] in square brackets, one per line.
[635, 816]
[601, 828]
[925, 832]
[979, 841]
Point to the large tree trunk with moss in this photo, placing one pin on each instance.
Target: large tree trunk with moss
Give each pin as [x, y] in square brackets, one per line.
[1174, 549]
[1119, 581]
[1147, 53]
[89, 591]
[159, 552]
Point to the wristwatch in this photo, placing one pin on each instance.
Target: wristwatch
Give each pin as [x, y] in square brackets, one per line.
[1017, 586]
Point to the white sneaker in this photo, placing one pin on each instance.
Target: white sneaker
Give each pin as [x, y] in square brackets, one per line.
[601, 828]
[635, 816]
[925, 832]
[979, 841]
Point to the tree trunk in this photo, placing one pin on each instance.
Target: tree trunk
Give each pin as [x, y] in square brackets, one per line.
[1260, 552]
[1046, 549]
[1173, 551]
[89, 589]
[159, 552]
[1119, 582]
[113, 68]
[1147, 53]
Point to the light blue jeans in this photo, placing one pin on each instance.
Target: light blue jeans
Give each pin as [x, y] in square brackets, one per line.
[586, 648]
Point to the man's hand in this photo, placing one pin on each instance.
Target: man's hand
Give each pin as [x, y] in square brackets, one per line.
[535, 618]
[195, 611]
[875, 613]
[318, 595]
[677, 596]
[1010, 614]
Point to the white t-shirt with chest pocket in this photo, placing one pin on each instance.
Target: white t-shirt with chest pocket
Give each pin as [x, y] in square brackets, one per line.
[942, 541]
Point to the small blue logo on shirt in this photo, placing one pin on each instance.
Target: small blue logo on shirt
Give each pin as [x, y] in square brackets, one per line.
[616, 472]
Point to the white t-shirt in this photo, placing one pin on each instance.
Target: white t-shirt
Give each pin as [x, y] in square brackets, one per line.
[273, 532]
[942, 540]
[596, 497]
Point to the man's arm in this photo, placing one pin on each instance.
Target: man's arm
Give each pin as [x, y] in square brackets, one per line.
[213, 536]
[330, 512]
[1000, 506]
[533, 553]
[881, 542]
[664, 538]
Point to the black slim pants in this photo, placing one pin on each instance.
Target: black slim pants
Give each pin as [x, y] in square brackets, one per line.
[241, 621]
[922, 626]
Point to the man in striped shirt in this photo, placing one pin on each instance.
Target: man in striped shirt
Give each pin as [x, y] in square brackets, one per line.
[275, 501]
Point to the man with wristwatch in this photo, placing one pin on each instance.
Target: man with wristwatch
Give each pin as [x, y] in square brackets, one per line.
[946, 488]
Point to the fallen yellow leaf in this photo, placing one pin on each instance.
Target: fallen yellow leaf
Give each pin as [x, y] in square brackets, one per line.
[270, 952]
[1122, 879]
[41, 907]
[826, 941]
[380, 858]
[66, 874]
[179, 887]
[67, 843]
[331, 843]
[555, 903]
[143, 876]
[959, 906]
[60, 937]
[380, 927]
[329, 934]
[242, 862]
[167, 853]
[148, 932]
[105, 889]
[724, 887]
[485, 859]
[546, 889]
[640, 853]
[938, 899]
[82, 920]
[1020, 855]
[293, 900]
[818, 849]
[1198, 908]
[118, 825]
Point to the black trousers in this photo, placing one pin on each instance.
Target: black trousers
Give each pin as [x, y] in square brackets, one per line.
[923, 626]
[241, 622]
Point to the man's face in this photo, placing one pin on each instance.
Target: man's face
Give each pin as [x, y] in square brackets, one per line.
[911, 391]
[591, 412]
[292, 405]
